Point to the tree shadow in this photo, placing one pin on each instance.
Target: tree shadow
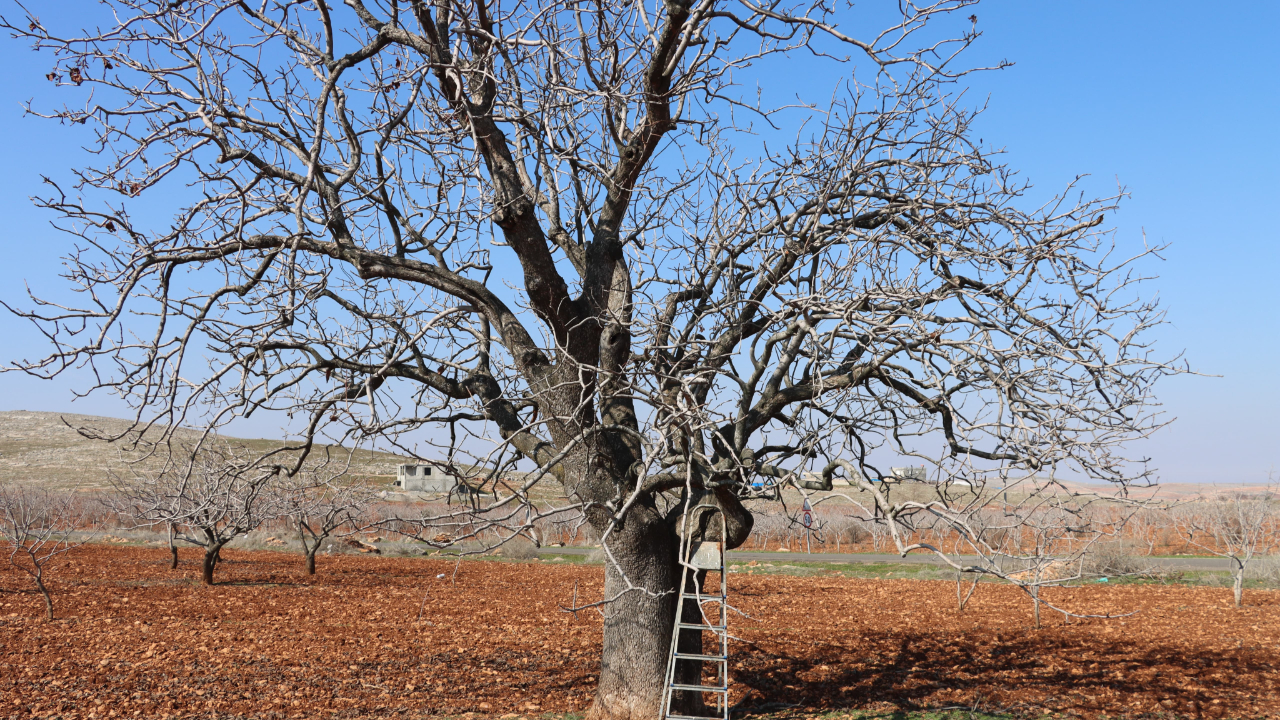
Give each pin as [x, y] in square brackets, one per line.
[256, 583]
[1035, 671]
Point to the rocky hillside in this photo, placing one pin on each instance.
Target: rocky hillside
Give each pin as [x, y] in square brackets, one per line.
[44, 447]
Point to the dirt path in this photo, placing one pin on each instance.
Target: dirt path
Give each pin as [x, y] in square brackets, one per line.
[137, 639]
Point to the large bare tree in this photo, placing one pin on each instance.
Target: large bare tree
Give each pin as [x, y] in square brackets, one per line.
[574, 231]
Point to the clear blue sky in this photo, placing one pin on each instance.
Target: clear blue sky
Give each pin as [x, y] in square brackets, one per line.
[1177, 101]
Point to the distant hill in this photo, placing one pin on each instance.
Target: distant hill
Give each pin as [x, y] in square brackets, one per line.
[39, 447]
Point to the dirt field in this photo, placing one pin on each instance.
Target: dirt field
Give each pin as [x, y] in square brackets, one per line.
[135, 639]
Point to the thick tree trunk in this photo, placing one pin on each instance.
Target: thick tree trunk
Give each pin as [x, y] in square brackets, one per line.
[638, 623]
[311, 560]
[209, 564]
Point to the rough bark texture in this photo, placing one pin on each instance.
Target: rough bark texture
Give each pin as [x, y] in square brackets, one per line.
[637, 625]
[311, 561]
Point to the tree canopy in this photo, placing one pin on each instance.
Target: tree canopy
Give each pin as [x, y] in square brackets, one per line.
[569, 230]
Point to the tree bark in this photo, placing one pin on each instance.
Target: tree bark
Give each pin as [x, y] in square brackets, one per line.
[308, 550]
[173, 551]
[210, 562]
[48, 601]
[637, 624]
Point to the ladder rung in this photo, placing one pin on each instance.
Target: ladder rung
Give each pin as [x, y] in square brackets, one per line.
[704, 597]
[694, 717]
[696, 656]
[699, 688]
[691, 626]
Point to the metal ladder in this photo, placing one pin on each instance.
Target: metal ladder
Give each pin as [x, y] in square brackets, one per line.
[696, 556]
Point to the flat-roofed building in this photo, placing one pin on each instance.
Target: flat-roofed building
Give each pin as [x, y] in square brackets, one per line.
[423, 478]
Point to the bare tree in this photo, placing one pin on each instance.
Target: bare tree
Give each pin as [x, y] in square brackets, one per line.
[39, 526]
[205, 495]
[1034, 532]
[1150, 527]
[318, 507]
[567, 238]
[1236, 526]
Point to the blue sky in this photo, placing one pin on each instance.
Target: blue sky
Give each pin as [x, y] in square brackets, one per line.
[1178, 102]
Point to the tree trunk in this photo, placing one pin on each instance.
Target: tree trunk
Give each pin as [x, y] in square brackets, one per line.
[308, 550]
[173, 551]
[1237, 586]
[48, 601]
[637, 625]
[1035, 603]
[210, 562]
[962, 599]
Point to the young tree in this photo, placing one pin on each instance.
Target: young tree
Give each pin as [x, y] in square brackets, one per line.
[318, 507]
[567, 230]
[1236, 526]
[1033, 532]
[205, 495]
[39, 526]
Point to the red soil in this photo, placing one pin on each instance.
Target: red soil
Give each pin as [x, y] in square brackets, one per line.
[134, 638]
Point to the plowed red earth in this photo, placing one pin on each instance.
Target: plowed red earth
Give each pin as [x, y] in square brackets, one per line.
[137, 639]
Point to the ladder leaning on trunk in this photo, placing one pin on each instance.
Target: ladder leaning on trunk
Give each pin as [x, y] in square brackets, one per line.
[695, 556]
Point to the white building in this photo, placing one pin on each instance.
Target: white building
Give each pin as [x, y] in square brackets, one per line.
[423, 478]
[909, 473]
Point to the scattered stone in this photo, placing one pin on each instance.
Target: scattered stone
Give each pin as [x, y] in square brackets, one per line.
[362, 546]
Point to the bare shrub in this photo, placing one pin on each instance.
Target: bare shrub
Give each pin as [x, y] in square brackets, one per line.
[1113, 558]
[1265, 569]
[855, 533]
[518, 549]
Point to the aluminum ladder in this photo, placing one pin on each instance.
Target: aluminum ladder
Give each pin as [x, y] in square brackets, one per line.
[696, 556]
